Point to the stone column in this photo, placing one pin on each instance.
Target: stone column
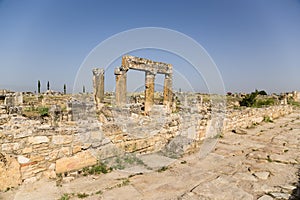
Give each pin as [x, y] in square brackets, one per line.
[121, 87]
[149, 91]
[98, 83]
[168, 94]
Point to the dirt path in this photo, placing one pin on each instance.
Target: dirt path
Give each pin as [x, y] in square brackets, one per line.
[259, 164]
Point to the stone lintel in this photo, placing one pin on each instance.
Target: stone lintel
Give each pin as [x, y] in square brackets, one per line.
[142, 64]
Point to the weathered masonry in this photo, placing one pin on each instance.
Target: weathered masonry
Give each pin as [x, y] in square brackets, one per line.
[98, 84]
[151, 68]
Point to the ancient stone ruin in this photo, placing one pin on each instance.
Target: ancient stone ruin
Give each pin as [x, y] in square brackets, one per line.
[81, 130]
[150, 68]
[98, 84]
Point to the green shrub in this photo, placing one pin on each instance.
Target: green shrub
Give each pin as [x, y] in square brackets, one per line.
[82, 195]
[96, 169]
[264, 102]
[294, 103]
[164, 168]
[250, 100]
[34, 112]
[267, 119]
[262, 92]
[43, 111]
[65, 197]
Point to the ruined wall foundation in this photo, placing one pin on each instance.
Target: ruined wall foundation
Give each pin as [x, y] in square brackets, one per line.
[31, 150]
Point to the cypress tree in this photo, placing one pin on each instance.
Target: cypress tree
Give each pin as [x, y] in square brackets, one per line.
[48, 86]
[65, 89]
[39, 86]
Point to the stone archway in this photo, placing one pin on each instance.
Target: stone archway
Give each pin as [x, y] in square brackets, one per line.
[151, 68]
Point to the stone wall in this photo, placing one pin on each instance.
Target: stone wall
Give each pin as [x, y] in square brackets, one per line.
[31, 149]
[248, 117]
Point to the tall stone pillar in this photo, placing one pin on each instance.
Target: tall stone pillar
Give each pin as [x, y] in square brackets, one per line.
[149, 91]
[168, 93]
[121, 87]
[98, 83]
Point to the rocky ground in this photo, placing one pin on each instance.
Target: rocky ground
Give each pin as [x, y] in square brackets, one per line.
[257, 163]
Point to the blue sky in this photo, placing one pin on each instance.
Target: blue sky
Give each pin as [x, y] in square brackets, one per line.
[255, 44]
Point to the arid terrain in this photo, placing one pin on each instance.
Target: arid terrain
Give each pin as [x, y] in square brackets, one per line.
[148, 145]
[261, 162]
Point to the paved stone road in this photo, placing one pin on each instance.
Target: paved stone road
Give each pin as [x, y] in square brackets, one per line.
[260, 163]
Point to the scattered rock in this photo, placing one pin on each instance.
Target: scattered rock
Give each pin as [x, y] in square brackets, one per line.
[265, 197]
[239, 131]
[278, 195]
[262, 175]
[10, 175]
[23, 160]
[68, 179]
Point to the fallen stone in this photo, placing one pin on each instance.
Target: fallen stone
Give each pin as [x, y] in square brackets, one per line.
[262, 175]
[68, 179]
[283, 159]
[278, 195]
[30, 180]
[265, 197]
[10, 175]
[23, 160]
[288, 188]
[239, 131]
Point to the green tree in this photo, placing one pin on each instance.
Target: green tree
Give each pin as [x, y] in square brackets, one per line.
[39, 86]
[249, 100]
[83, 89]
[262, 92]
[48, 86]
[65, 89]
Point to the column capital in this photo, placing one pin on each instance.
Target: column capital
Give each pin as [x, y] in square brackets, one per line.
[119, 71]
[98, 71]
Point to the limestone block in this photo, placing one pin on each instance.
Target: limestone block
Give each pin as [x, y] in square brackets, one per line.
[265, 197]
[10, 175]
[79, 161]
[23, 134]
[102, 118]
[108, 151]
[38, 139]
[257, 120]
[8, 147]
[36, 158]
[62, 139]
[30, 180]
[50, 174]
[64, 151]
[27, 150]
[262, 175]
[23, 159]
[76, 149]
